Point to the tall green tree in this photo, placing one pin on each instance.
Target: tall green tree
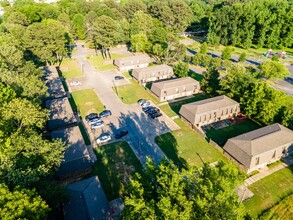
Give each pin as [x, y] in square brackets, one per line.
[210, 83]
[140, 43]
[181, 69]
[242, 57]
[204, 48]
[274, 69]
[21, 204]
[226, 54]
[164, 192]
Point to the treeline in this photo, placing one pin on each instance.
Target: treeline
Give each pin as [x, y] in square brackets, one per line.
[266, 23]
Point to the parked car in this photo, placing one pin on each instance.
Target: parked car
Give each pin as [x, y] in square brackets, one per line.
[105, 113]
[75, 83]
[94, 121]
[91, 116]
[156, 115]
[118, 77]
[141, 101]
[104, 138]
[97, 125]
[121, 133]
[147, 108]
[146, 104]
[152, 111]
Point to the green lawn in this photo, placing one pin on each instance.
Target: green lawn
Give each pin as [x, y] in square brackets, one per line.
[132, 92]
[86, 101]
[185, 146]
[270, 190]
[220, 136]
[70, 69]
[115, 164]
[172, 109]
[283, 210]
[103, 64]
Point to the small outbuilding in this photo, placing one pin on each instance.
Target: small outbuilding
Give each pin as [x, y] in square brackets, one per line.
[258, 148]
[77, 160]
[152, 73]
[209, 110]
[132, 62]
[87, 200]
[61, 114]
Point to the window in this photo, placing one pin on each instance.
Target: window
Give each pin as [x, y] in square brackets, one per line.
[257, 161]
[184, 88]
[215, 114]
[231, 110]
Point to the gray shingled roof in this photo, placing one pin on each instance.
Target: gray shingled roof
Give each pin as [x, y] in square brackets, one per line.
[76, 157]
[131, 58]
[154, 68]
[259, 141]
[87, 200]
[210, 104]
[61, 114]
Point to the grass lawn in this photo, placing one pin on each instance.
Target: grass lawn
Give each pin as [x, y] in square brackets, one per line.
[86, 101]
[70, 69]
[132, 92]
[220, 136]
[195, 75]
[185, 146]
[115, 164]
[283, 210]
[270, 190]
[172, 109]
[98, 61]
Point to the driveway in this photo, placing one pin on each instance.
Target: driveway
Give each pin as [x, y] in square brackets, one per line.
[142, 129]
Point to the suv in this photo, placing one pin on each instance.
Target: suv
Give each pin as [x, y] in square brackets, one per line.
[141, 101]
[105, 113]
[91, 116]
[121, 133]
[104, 138]
[146, 104]
[152, 111]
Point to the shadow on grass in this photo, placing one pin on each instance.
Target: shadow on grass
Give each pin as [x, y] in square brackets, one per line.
[168, 144]
[195, 75]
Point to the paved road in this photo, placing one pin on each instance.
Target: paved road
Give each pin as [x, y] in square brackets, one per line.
[286, 85]
[142, 130]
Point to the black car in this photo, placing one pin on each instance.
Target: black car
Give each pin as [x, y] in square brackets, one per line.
[118, 77]
[105, 113]
[156, 115]
[121, 133]
[147, 108]
[152, 111]
[91, 116]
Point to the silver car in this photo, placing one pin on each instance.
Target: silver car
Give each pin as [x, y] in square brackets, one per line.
[94, 121]
[97, 125]
[104, 138]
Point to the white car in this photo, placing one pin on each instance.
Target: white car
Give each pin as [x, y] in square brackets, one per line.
[146, 104]
[97, 125]
[75, 83]
[104, 138]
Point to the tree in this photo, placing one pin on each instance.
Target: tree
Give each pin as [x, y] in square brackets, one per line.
[21, 204]
[46, 40]
[204, 48]
[133, 6]
[104, 32]
[275, 57]
[164, 192]
[181, 69]
[242, 57]
[273, 69]
[210, 83]
[141, 23]
[78, 26]
[226, 54]
[140, 43]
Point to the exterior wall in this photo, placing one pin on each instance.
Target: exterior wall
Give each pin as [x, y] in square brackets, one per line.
[178, 95]
[216, 115]
[266, 158]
